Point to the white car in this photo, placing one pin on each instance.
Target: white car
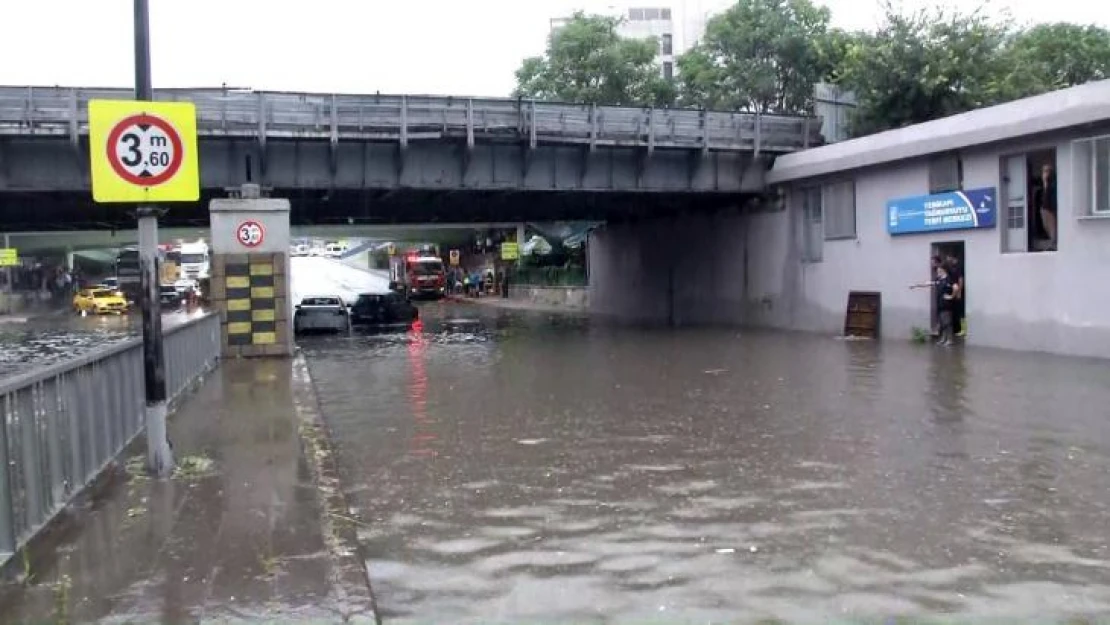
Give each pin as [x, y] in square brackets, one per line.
[321, 312]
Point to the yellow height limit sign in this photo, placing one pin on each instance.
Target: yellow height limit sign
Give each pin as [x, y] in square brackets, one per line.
[143, 151]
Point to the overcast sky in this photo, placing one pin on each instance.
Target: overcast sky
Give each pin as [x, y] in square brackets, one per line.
[464, 47]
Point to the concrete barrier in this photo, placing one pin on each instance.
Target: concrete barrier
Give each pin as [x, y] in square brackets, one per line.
[568, 297]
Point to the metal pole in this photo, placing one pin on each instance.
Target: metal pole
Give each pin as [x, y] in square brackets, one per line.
[159, 455]
[8, 276]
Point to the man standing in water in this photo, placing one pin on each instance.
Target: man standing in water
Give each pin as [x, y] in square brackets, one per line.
[946, 291]
[956, 276]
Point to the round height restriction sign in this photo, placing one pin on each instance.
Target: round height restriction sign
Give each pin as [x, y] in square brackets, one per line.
[250, 233]
[144, 150]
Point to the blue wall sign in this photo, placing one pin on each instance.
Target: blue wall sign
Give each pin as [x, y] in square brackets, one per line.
[955, 210]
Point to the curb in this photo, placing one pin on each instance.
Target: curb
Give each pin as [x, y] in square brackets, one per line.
[349, 577]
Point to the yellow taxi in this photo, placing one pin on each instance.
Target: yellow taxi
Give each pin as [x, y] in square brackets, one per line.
[100, 301]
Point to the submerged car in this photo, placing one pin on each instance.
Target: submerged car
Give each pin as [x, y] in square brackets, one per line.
[100, 302]
[170, 297]
[321, 313]
[383, 308]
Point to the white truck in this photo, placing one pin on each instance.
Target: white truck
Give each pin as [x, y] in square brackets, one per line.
[195, 261]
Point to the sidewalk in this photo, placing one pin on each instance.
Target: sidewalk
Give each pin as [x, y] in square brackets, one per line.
[240, 533]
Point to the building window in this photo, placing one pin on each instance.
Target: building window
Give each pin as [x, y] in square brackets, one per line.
[838, 203]
[668, 44]
[946, 173]
[636, 15]
[668, 70]
[665, 13]
[813, 232]
[1100, 177]
[651, 14]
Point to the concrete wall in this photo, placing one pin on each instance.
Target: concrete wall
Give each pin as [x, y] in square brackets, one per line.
[568, 297]
[683, 270]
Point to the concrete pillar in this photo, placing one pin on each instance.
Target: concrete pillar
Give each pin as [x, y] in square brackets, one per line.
[69, 260]
[520, 242]
[250, 284]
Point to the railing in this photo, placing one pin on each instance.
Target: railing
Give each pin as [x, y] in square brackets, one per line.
[548, 276]
[260, 114]
[60, 425]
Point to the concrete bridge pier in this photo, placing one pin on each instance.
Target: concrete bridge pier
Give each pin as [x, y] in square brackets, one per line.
[250, 274]
[682, 270]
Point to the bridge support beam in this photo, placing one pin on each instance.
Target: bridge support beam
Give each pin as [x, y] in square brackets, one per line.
[250, 284]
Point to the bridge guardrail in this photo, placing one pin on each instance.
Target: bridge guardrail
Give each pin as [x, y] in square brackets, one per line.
[267, 114]
[62, 424]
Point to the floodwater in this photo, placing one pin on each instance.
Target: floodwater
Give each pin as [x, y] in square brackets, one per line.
[525, 467]
[54, 337]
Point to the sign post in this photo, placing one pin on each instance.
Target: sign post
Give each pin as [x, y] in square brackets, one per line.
[144, 152]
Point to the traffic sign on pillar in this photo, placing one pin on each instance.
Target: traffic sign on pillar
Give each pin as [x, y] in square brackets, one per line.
[143, 151]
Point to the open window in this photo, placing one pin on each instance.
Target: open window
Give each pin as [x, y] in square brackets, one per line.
[1029, 202]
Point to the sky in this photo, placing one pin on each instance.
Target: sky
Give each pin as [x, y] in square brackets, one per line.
[460, 47]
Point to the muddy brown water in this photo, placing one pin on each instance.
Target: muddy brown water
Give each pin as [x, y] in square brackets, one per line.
[527, 467]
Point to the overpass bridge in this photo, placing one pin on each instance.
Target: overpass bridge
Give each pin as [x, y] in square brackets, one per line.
[348, 159]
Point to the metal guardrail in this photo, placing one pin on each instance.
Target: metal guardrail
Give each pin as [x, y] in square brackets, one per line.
[263, 114]
[61, 425]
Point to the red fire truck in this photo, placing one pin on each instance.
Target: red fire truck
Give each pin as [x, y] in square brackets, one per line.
[419, 274]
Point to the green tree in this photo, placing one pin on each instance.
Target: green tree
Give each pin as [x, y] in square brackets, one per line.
[924, 65]
[759, 55]
[1052, 56]
[588, 61]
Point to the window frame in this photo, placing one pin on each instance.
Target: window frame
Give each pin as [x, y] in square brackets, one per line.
[813, 248]
[666, 44]
[946, 160]
[1094, 209]
[668, 70]
[825, 187]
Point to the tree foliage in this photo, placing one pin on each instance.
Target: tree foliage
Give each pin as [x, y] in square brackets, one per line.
[921, 66]
[588, 61]
[759, 55]
[768, 55]
[1052, 56]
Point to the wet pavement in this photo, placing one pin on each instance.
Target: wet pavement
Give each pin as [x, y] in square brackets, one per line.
[240, 533]
[508, 466]
[47, 338]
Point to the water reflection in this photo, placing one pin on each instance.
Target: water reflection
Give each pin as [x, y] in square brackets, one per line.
[589, 472]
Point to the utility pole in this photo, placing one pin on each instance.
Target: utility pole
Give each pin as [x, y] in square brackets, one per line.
[159, 455]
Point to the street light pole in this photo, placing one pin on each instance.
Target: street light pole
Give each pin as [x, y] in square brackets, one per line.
[159, 455]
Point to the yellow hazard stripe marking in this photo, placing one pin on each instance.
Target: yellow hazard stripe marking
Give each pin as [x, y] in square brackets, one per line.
[238, 282]
[239, 327]
[261, 292]
[262, 270]
[263, 315]
[238, 304]
[264, 338]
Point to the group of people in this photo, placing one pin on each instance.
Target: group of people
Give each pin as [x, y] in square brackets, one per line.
[55, 280]
[477, 283]
[948, 290]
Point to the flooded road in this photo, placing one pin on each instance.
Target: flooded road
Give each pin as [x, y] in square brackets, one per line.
[512, 467]
[55, 337]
